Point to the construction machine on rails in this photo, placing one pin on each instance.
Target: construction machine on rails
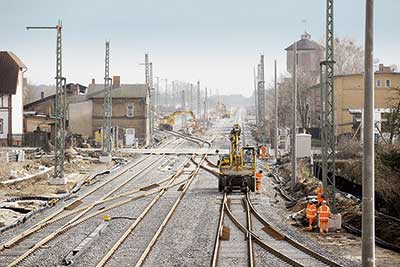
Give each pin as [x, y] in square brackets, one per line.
[237, 169]
[167, 122]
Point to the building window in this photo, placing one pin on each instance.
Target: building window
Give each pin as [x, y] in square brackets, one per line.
[388, 83]
[378, 83]
[1, 126]
[130, 110]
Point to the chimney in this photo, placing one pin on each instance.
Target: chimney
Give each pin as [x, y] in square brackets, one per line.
[93, 81]
[41, 95]
[380, 67]
[116, 81]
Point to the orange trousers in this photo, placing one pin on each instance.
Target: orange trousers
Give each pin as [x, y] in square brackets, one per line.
[323, 226]
[310, 222]
[258, 184]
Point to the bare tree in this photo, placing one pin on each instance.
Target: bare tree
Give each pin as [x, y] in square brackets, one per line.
[305, 83]
[28, 94]
[392, 124]
[349, 57]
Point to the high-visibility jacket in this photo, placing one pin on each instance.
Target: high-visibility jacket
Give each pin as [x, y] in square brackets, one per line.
[319, 191]
[259, 176]
[324, 213]
[263, 152]
[311, 211]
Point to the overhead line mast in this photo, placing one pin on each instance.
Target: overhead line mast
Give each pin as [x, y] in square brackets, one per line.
[107, 140]
[59, 106]
[328, 109]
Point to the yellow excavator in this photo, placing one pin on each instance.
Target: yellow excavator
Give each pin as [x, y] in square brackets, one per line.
[167, 122]
[237, 169]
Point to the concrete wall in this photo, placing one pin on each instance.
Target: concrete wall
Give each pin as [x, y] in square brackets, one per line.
[119, 115]
[80, 118]
[349, 94]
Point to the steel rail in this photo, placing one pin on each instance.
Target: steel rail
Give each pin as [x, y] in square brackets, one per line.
[168, 217]
[249, 237]
[70, 226]
[52, 217]
[260, 242]
[289, 240]
[119, 242]
[75, 221]
[217, 242]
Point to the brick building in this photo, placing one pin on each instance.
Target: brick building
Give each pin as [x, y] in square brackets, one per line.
[128, 109]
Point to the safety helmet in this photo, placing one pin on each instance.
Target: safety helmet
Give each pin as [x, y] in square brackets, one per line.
[323, 201]
[320, 183]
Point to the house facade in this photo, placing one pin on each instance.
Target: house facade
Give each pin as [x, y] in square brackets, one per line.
[11, 99]
[86, 117]
[349, 95]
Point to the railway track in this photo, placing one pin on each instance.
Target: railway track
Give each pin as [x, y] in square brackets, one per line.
[267, 237]
[129, 237]
[23, 245]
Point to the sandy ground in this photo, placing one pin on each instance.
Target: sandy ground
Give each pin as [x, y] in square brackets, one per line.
[75, 171]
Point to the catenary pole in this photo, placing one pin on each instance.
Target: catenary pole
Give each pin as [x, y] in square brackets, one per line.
[368, 175]
[276, 113]
[294, 116]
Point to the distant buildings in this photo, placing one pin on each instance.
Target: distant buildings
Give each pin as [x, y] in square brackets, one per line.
[11, 98]
[86, 116]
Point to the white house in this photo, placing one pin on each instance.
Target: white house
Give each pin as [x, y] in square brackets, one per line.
[11, 98]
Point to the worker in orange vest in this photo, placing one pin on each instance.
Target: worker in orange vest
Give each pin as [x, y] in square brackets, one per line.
[324, 213]
[263, 154]
[311, 213]
[319, 191]
[259, 176]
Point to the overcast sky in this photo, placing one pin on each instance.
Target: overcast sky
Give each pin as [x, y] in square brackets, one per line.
[215, 41]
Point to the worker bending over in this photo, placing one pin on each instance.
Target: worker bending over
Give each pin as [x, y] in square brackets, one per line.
[319, 191]
[311, 213]
[259, 176]
[324, 213]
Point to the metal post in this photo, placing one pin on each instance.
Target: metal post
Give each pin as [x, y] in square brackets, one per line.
[255, 95]
[191, 97]
[276, 113]
[261, 96]
[107, 143]
[148, 100]
[329, 146]
[157, 98]
[152, 95]
[59, 106]
[323, 129]
[174, 101]
[205, 108]
[166, 92]
[368, 174]
[184, 123]
[294, 116]
[198, 100]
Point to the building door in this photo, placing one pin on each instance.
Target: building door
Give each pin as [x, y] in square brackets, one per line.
[130, 137]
